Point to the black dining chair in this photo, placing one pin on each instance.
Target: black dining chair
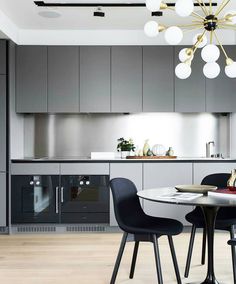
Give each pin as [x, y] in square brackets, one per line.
[139, 227]
[225, 220]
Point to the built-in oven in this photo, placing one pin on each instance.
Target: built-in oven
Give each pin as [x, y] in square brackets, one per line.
[60, 199]
[35, 199]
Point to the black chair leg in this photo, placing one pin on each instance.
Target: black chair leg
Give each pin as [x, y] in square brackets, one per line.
[118, 259]
[232, 235]
[190, 250]
[172, 249]
[203, 247]
[157, 259]
[136, 245]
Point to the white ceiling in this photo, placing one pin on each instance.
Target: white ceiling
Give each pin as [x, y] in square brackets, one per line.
[20, 19]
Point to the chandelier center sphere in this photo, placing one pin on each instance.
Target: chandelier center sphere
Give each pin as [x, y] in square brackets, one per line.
[210, 23]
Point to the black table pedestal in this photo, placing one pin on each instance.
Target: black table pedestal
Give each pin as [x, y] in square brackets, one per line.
[210, 218]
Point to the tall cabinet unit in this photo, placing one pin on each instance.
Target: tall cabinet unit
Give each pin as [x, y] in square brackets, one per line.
[158, 81]
[95, 78]
[31, 79]
[3, 132]
[126, 77]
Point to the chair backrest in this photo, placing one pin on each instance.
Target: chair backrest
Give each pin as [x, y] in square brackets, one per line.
[128, 210]
[219, 180]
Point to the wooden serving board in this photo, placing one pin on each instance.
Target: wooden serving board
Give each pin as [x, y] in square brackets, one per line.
[151, 157]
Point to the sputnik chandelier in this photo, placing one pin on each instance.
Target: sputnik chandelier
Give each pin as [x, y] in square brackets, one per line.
[209, 21]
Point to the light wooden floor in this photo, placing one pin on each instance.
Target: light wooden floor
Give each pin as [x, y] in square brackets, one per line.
[89, 258]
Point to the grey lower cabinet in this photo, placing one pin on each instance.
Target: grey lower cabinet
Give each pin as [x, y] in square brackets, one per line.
[203, 169]
[63, 79]
[95, 79]
[3, 57]
[164, 175]
[3, 118]
[220, 92]
[158, 81]
[31, 79]
[3, 200]
[132, 171]
[190, 94]
[126, 78]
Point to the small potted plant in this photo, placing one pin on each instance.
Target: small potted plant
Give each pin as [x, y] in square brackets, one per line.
[125, 147]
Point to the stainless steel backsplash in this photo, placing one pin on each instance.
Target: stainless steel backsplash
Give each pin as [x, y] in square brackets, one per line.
[70, 135]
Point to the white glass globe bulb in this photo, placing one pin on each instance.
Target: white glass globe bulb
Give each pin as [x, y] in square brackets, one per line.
[210, 53]
[211, 70]
[184, 8]
[183, 55]
[151, 29]
[232, 19]
[173, 35]
[230, 70]
[153, 5]
[202, 43]
[183, 71]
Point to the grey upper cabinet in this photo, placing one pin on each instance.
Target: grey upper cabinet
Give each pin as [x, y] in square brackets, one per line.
[95, 78]
[126, 76]
[31, 79]
[220, 92]
[3, 57]
[158, 81]
[190, 94]
[63, 79]
[3, 123]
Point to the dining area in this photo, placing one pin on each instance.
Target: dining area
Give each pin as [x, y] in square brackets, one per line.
[212, 211]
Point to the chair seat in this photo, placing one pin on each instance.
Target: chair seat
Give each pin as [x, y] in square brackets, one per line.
[153, 225]
[226, 218]
[232, 242]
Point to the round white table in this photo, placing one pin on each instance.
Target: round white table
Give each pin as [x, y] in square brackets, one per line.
[210, 206]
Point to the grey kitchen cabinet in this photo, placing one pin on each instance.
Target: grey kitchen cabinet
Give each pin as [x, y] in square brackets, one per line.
[95, 79]
[165, 175]
[84, 168]
[3, 200]
[203, 169]
[126, 78]
[220, 92]
[63, 79]
[158, 81]
[132, 171]
[3, 118]
[3, 57]
[31, 79]
[190, 94]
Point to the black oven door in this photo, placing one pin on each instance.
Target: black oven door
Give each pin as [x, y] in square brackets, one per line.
[85, 199]
[35, 199]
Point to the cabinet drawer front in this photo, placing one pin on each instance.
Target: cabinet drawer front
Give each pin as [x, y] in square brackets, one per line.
[34, 168]
[85, 169]
[85, 218]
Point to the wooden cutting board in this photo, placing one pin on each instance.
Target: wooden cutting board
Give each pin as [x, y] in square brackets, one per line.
[150, 157]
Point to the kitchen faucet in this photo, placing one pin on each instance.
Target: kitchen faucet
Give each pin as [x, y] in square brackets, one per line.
[208, 148]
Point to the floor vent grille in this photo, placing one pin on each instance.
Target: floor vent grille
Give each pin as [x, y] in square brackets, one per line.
[4, 230]
[36, 229]
[85, 228]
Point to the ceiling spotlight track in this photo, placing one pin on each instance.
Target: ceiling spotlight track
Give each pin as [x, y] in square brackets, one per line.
[209, 21]
[105, 4]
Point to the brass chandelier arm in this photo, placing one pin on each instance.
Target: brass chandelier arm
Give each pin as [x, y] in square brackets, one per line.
[228, 26]
[210, 7]
[221, 7]
[203, 7]
[190, 25]
[196, 15]
[221, 46]
[195, 46]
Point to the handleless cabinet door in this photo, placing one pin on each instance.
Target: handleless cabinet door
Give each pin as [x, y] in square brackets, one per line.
[190, 94]
[95, 81]
[31, 79]
[126, 76]
[3, 200]
[220, 92]
[2, 123]
[63, 79]
[158, 81]
[3, 56]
